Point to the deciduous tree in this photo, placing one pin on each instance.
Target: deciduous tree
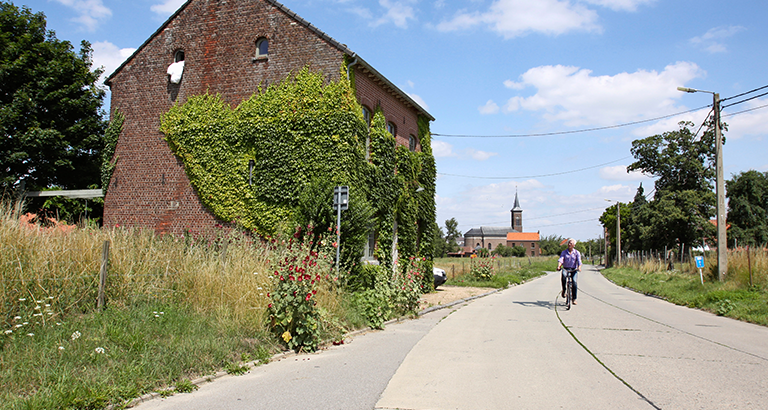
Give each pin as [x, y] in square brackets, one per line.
[51, 125]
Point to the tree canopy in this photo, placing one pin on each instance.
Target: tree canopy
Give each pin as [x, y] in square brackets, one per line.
[748, 208]
[50, 108]
[684, 164]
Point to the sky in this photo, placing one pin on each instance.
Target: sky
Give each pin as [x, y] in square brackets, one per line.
[540, 98]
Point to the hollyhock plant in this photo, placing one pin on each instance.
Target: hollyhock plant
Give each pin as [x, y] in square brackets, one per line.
[301, 268]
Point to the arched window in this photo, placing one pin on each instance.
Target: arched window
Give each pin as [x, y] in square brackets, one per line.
[262, 47]
[412, 141]
[367, 115]
[392, 128]
[178, 56]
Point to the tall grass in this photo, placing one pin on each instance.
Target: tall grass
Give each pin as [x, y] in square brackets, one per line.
[738, 296]
[177, 307]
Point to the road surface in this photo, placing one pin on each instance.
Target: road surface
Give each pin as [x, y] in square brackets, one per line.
[519, 349]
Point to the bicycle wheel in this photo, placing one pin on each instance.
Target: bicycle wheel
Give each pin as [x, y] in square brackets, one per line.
[568, 292]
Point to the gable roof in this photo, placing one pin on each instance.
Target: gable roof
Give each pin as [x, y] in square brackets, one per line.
[357, 60]
[490, 231]
[523, 236]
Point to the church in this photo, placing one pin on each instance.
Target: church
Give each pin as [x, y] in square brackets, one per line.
[490, 237]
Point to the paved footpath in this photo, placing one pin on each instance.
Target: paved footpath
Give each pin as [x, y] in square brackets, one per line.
[518, 349]
[616, 349]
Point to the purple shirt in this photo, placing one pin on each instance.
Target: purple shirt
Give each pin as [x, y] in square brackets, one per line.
[570, 260]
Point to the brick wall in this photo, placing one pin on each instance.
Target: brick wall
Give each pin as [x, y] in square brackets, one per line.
[372, 95]
[149, 187]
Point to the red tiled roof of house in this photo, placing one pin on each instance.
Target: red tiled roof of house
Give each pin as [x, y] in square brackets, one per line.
[523, 236]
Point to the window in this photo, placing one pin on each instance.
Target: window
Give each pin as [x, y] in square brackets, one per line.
[178, 56]
[176, 70]
[533, 245]
[490, 246]
[412, 142]
[262, 47]
[367, 115]
[392, 128]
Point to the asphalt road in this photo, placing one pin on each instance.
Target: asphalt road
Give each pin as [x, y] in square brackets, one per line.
[518, 349]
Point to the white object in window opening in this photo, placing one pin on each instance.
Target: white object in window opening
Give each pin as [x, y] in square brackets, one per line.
[175, 71]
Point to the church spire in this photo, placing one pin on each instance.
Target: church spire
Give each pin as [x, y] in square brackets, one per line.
[517, 215]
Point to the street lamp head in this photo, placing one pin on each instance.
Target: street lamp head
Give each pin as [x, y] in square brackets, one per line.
[686, 89]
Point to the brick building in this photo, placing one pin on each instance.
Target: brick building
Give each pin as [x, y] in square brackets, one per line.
[228, 48]
[490, 237]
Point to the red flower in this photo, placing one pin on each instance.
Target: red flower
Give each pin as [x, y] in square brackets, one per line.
[309, 295]
[269, 306]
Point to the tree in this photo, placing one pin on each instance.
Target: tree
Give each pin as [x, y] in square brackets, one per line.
[550, 245]
[684, 202]
[608, 219]
[50, 108]
[748, 208]
[451, 234]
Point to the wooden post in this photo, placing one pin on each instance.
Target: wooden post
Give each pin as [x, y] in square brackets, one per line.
[103, 275]
[749, 264]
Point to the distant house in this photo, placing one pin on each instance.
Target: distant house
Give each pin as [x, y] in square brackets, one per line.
[228, 48]
[490, 237]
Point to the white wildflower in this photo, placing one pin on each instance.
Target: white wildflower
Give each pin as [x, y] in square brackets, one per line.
[30, 334]
[76, 335]
[8, 332]
[61, 347]
[22, 299]
[17, 318]
[19, 325]
[99, 350]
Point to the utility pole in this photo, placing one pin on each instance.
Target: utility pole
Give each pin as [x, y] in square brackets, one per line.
[618, 233]
[722, 244]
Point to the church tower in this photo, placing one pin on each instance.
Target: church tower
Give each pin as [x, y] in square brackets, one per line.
[517, 215]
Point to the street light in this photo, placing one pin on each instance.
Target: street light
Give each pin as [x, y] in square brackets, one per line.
[722, 245]
[618, 232]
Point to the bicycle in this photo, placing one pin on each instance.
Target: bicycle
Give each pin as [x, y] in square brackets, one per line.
[569, 287]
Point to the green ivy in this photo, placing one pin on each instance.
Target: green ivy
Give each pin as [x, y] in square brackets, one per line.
[108, 158]
[305, 136]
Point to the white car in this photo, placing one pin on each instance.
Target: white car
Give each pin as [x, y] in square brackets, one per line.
[440, 276]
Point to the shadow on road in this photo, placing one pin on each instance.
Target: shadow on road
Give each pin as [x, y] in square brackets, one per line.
[541, 303]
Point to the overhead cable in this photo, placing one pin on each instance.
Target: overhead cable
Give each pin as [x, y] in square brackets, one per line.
[549, 134]
[535, 176]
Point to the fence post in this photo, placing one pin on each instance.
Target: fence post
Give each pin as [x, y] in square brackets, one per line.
[103, 275]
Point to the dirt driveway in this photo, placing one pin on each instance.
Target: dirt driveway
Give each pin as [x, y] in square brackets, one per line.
[447, 294]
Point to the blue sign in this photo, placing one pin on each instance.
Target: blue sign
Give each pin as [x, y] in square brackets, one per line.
[699, 261]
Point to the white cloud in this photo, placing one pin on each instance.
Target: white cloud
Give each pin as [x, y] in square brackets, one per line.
[577, 98]
[489, 108]
[619, 173]
[620, 5]
[166, 7]
[397, 12]
[515, 18]
[91, 12]
[479, 155]
[712, 40]
[109, 57]
[419, 100]
[442, 149]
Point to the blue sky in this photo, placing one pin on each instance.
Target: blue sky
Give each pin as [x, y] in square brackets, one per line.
[520, 67]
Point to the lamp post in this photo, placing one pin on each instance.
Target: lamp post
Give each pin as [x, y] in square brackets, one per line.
[618, 232]
[722, 245]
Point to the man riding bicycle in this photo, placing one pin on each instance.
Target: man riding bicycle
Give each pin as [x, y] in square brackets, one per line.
[570, 259]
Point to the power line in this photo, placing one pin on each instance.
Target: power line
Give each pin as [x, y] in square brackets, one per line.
[745, 100]
[748, 92]
[535, 176]
[548, 134]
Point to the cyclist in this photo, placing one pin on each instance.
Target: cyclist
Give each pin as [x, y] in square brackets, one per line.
[569, 259]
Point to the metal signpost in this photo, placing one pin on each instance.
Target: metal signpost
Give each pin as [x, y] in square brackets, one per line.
[340, 203]
[700, 265]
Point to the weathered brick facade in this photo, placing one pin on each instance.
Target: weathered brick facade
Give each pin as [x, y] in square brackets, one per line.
[218, 38]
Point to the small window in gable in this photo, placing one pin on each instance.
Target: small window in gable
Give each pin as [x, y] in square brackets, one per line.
[412, 142]
[392, 128]
[262, 47]
[176, 70]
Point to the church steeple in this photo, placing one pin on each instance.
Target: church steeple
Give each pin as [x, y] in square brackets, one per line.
[517, 215]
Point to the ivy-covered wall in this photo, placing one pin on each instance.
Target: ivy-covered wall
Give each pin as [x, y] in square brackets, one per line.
[304, 136]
